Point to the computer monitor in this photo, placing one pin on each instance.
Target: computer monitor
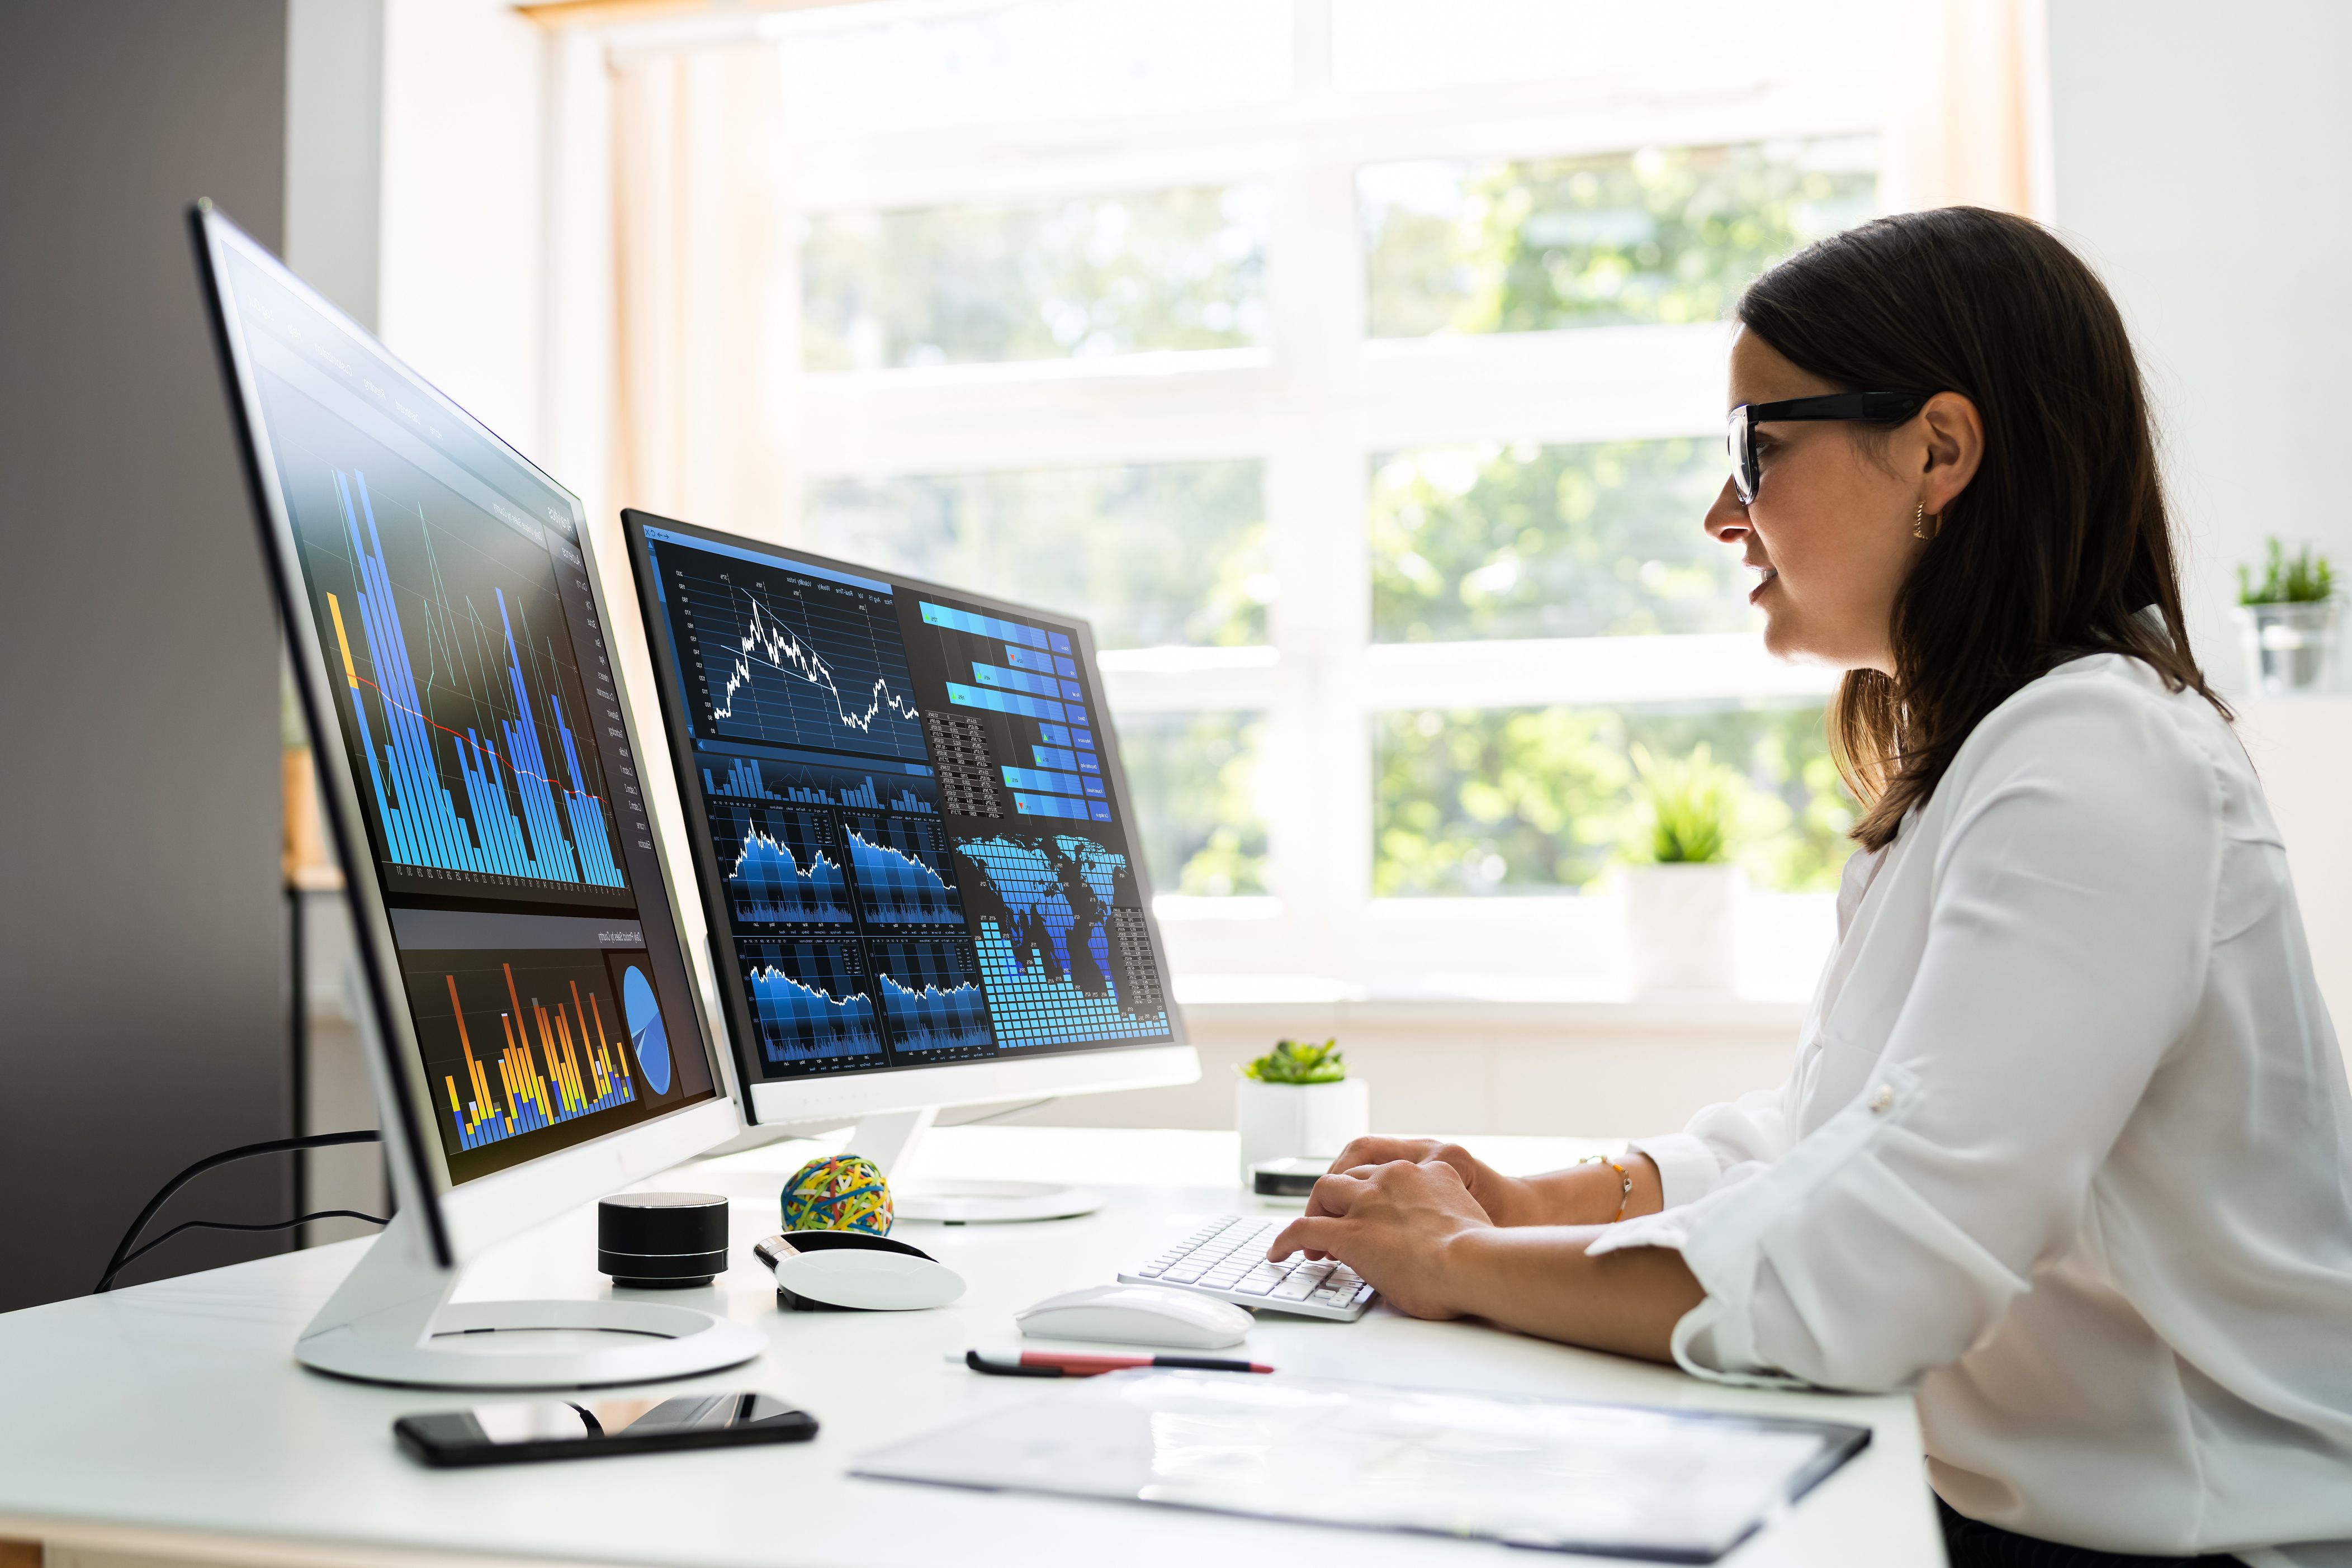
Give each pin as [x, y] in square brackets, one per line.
[534, 1034]
[913, 837]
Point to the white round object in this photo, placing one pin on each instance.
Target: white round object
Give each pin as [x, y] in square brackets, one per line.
[1138, 1315]
[869, 1273]
[649, 1340]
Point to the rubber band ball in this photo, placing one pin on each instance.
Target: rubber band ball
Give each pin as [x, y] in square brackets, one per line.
[838, 1192]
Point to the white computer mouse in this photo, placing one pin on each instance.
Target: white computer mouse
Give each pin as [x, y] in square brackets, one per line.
[816, 1270]
[1138, 1315]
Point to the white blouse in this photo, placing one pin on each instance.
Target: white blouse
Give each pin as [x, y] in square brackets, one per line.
[2068, 1146]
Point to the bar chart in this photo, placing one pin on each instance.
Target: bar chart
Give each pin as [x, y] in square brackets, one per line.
[517, 1055]
[461, 713]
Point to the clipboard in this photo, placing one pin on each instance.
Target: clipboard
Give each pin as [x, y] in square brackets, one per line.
[1676, 1486]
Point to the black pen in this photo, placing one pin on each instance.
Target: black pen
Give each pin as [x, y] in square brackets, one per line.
[1070, 1363]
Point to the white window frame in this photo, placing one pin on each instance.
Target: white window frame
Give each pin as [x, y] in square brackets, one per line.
[1315, 405]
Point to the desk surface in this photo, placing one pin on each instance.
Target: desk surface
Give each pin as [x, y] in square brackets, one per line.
[172, 1418]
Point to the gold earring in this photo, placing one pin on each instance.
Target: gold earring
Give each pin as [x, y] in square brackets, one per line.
[1924, 527]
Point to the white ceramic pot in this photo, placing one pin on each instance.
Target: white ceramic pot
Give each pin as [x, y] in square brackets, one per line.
[1286, 1121]
[2290, 648]
[1681, 928]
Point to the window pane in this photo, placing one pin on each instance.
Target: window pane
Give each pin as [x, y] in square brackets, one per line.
[1074, 279]
[1196, 778]
[1043, 59]
[1599, 540]
[1534, 800]
[1663, 235]
[1152, 553]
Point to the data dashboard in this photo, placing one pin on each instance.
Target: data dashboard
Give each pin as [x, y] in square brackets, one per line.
[906, 811]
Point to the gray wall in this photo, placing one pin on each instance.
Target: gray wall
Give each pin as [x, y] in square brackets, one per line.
[143, 1020]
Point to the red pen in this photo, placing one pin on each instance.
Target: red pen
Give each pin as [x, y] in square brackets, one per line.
[1065, 1364]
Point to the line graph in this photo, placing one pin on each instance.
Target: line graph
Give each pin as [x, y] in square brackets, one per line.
[897, 864]
[810, 999]
[790, 658]
[466, 708]
[780, 863]
[931, 995]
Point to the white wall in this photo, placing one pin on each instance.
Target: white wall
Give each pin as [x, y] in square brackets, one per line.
[2198, 157]
[2198, 153]
[464, 206]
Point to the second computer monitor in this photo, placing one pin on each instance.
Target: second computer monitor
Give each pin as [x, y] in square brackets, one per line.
[912, 832]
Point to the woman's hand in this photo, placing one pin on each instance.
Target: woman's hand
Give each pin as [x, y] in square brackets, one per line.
[1506, 1200]
[1392, 1223]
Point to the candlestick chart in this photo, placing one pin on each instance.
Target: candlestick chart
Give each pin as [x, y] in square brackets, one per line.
[458, 703]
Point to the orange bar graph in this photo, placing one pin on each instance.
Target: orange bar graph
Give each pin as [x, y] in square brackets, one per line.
[555, 1065]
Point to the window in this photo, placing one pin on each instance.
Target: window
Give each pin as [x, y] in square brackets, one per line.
[1355, 366]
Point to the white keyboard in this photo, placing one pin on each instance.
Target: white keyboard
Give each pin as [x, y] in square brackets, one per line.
[1226, 1259]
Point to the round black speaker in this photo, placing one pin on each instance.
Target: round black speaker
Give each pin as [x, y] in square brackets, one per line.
[662, 1240]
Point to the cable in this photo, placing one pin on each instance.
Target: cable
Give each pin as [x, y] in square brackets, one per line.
[116, 1264]
[107, 1283]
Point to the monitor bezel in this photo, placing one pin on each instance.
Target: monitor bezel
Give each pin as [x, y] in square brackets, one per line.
[884, 1090]
[460, 1219]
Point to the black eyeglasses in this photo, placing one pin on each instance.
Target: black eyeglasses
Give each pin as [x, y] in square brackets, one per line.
[1875, 407]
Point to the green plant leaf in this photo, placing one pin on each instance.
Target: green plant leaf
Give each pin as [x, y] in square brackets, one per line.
[1690, 806]
[1292, 1062]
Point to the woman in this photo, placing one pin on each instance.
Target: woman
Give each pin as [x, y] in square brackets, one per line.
[2068, 1143]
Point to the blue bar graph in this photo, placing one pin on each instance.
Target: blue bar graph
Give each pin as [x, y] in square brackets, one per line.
[1040, 779]
[1021, 681]
[513, 825]
[1006, 702]
[1030, 805]
[987, 626]
[1029, 659]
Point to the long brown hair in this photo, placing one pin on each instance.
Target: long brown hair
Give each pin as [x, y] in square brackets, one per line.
[2061, 538]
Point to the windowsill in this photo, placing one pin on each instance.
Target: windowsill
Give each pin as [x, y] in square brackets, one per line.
[1496, 1005]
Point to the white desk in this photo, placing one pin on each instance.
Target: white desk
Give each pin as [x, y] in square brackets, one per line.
[171, 1420]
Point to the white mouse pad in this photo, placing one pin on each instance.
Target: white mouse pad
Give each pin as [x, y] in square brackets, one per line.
[1682, 1486]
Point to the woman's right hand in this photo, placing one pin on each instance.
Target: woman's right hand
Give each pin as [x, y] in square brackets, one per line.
[1508, 1200]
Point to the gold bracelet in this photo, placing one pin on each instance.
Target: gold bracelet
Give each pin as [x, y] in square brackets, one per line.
[1624, 1182]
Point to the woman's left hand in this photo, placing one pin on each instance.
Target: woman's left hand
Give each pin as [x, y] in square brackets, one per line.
[1391, 1224]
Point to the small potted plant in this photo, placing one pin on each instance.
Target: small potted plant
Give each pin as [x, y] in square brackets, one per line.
[2290, 623]
[1682, 896]
[1298, 1101]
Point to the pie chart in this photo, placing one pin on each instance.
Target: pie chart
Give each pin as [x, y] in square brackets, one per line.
[647, 1039]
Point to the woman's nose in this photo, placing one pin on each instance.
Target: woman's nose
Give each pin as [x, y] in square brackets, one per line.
[1726, 520]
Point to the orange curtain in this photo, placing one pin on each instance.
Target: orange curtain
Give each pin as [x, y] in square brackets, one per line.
[1967, 109]
[706, 289]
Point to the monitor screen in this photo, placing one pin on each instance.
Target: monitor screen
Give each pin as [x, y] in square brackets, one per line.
[907, 811]
[476, 709]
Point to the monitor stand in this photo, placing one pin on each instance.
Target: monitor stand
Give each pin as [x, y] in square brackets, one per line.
[391, 1322]
[889, 1140]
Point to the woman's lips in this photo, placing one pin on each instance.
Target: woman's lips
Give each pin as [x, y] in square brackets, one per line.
[1770, 575]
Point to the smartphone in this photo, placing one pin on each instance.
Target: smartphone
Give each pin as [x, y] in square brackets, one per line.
[563, 1429]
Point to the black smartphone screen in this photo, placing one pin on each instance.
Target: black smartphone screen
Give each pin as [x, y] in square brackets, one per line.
[564, 1429]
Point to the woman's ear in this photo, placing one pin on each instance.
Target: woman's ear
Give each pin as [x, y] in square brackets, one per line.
[1955, 446]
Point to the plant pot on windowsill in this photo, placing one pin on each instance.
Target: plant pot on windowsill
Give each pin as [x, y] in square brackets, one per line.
[1681, 924]
[1296, 1100]
[1681, 908]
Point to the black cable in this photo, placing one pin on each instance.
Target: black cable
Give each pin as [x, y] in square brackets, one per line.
[107, 1283]
[116, 1264]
